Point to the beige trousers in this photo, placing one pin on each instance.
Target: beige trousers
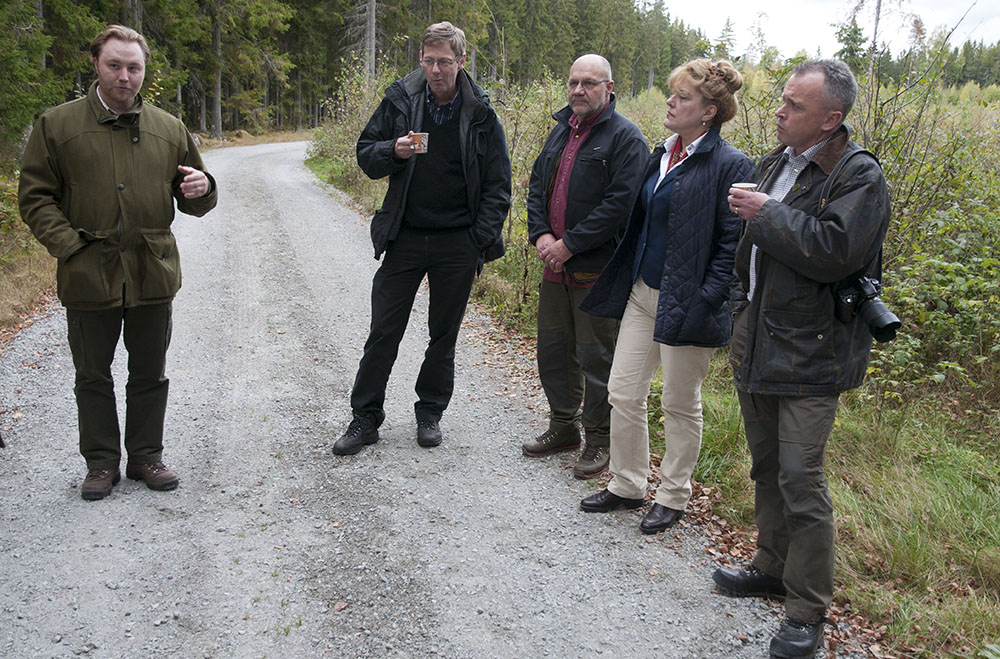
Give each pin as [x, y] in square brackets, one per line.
[637, 358]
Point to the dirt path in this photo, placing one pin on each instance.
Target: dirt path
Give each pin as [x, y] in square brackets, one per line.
[272, 546]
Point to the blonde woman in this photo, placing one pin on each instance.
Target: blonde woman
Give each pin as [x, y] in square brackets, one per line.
[669, 282]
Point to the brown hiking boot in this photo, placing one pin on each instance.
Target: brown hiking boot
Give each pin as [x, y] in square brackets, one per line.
[552, 441]
[98, 483]
[156, 474]
[592, 462]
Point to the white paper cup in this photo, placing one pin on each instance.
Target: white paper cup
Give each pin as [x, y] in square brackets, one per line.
[749, 187]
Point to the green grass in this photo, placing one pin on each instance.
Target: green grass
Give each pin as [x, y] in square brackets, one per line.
[918, 511]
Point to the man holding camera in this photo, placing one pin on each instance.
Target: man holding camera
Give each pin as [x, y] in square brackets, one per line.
[805, 239]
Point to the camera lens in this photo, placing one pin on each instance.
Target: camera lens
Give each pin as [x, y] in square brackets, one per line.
[880, 321]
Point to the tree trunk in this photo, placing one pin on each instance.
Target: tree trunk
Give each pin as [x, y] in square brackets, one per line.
[370, 40]
[41, 21]
[217, 49]
[874, 49]
[298, 100]
[203, 111]
[180, 100]
[132, 14]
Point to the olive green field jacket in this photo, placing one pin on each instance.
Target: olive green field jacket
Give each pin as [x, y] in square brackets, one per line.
[98, 192]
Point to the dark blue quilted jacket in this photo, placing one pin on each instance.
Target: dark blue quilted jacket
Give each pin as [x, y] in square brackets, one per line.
[701, 241]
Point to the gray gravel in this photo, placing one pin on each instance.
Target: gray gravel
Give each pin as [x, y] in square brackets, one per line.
[272, 546]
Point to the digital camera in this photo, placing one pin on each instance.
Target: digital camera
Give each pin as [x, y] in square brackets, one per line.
[861, 299]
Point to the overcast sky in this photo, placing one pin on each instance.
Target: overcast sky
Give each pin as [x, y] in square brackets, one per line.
[807, 24]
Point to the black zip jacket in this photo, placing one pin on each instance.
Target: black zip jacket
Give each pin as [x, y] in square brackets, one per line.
[606, 177]
[484, 159]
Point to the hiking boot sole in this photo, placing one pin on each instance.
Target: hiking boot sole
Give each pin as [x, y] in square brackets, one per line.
[582, 475]
[159, 487]
[558, 449]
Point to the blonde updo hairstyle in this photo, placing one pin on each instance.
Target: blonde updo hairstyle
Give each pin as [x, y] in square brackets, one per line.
[717, 82]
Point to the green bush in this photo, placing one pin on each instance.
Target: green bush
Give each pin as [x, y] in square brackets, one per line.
[334, 141]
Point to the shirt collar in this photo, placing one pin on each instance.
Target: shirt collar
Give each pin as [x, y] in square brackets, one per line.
[131, 112]
[101, 99]
[668, 144]
[577, 123]
[805, 155]
[450, 105]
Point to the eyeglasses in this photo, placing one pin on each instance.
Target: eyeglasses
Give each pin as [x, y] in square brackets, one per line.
[444, 63]
[587, 84]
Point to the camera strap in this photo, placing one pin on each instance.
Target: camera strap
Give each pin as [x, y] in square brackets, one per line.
[825, 196]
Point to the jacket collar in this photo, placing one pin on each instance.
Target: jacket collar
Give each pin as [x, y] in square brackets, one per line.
[563, 115]
[106, 116]
[828, 156]
[707, 143]
[414, 83]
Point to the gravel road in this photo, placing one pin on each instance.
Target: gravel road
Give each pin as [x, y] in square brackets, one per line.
[272, 546]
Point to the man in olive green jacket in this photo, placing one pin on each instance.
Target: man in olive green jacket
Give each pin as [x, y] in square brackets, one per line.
[98, 182]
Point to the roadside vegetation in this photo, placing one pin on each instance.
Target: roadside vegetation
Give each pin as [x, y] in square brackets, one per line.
[26, 270]
[913, 460]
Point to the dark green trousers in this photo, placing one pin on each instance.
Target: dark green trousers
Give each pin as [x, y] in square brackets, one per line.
[93, 337]
[575, 351]
[792, 507]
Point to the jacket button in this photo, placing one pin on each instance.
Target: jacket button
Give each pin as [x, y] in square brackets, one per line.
[819, 336]
[121, 186]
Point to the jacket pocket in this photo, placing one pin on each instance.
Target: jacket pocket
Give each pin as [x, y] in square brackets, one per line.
[797, 348]
[738, 343]
[704, 323]
[82, 277]
[592, 174]
[160, 276]
[380, 228]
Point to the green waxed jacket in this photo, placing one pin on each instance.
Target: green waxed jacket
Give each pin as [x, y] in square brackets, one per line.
[98, 192]
[787, 340]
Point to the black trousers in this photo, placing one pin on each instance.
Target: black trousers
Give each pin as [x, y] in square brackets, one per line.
[93, 337]
[449, 260]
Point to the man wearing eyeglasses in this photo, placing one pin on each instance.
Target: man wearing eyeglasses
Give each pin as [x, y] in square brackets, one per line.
[449, 192]
[582, 188]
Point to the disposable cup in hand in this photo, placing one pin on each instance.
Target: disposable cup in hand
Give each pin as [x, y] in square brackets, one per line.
[420, 142]
[749, 187]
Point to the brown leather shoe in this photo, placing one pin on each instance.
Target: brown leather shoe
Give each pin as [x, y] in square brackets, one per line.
[98, 483]
[156, 474]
